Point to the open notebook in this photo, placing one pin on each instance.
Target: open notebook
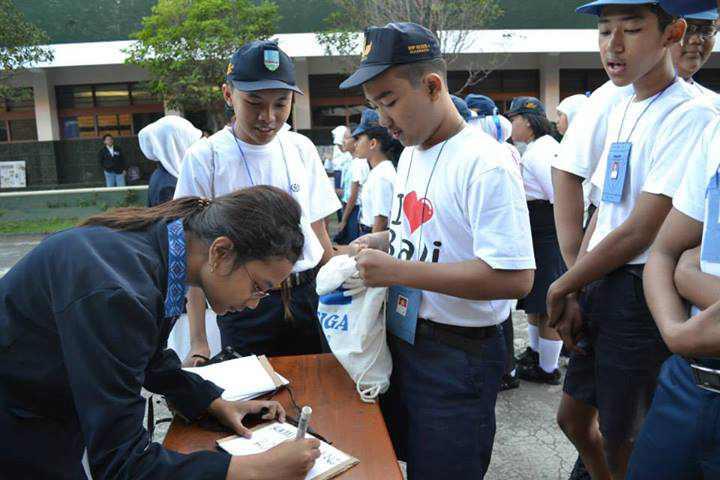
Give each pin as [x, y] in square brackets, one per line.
[331, 463]
[242, 378]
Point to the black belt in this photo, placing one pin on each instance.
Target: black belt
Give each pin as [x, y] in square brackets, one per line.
[706, 373]
[463, 338]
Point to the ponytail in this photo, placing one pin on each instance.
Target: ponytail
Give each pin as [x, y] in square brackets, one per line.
[261, 221]
[390, 147]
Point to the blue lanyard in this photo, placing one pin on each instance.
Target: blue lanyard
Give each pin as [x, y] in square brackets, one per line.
[247, 169]
[498, 129]
[657, 96]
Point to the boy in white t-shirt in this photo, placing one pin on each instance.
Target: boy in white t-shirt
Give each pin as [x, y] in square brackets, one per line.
[458, 246]
[374, 143]
[649, 138]
[256, 150]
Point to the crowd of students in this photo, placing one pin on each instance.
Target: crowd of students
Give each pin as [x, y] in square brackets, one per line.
[604, 228]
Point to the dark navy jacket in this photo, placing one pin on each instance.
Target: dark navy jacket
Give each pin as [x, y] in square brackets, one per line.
[82, 329]
[161, 187]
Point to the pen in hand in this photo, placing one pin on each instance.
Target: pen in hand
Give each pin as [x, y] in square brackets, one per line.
[303, 422]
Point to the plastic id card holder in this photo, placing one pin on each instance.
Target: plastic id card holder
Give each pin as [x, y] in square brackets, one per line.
[617, 165]
[402, 311]
[710, 251]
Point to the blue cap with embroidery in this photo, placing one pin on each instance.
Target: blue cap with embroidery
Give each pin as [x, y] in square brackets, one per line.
[394, 44]
[710, 15]
[462, 107]
[522, 105]
[595, 8]
[261, 65]
[482, 104]
[370, 121]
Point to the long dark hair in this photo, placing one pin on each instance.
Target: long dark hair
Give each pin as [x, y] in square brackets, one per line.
[540, 125]
[390, 147]
[262, 222]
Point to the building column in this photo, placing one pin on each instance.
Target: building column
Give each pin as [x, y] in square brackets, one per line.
[550, 83]
[46, 118]
[302, 115]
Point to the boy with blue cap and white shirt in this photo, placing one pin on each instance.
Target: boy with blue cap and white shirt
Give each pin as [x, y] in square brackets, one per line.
[459, 245]
[649, 138]
[257, 150]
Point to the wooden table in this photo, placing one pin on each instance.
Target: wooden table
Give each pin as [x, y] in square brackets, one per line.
[339, 415]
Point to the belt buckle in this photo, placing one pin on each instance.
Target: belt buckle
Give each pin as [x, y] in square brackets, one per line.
[703, 377]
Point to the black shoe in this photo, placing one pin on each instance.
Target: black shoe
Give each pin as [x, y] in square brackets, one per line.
[579, 472]
[509, 382]
[528, 358]
[536, 374]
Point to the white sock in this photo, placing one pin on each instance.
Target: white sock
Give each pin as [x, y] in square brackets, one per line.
[550, 354]
[533, 336]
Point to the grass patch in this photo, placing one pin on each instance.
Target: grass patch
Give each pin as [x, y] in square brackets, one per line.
[39, 226]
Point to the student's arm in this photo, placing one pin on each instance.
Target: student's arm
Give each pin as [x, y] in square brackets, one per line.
[699, 288]
[321, 232]
[619, 247]
[380, 225]
[198, 334]
[679, 233]
[472, 280]
[569, 213]
[108, 338]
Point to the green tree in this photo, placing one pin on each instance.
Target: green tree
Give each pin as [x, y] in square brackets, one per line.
[186, 44]
[451, 20]
[20, 47]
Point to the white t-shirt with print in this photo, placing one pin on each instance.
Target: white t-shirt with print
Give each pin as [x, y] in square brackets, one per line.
[584, 142]
[377, 193]
[663, 142]
[472, 207]
[223, 163]
[536, 168]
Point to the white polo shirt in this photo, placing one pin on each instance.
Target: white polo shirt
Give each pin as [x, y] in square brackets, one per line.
[377, 193]
[536, 168]
[471, 207]
[663, 142]
[223, 163]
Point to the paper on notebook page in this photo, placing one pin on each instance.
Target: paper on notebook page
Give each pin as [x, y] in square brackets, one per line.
[267, 437]
[241, 378]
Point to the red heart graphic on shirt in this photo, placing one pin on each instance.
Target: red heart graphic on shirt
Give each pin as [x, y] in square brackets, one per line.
[417, 210]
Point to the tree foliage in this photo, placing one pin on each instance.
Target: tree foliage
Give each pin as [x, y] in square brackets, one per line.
[20, 47]
[451, 20]
[186, 44]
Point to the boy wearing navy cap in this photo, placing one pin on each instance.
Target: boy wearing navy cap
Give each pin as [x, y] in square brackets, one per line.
[694, 51]
[459, 245]
[649, 138]
[257, 150]
[480, 104]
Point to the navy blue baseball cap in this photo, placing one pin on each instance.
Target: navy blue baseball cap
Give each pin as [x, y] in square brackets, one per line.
[369, 121]
[710, 15]
[594, 8]
[483, 105]
[394, 44]
[462, 107]
[261, 65]
[685, 7]
[521, 105]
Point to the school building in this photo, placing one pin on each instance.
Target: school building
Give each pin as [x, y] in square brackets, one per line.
[542, 50]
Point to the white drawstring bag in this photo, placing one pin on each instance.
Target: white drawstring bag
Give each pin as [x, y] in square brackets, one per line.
[353, 319]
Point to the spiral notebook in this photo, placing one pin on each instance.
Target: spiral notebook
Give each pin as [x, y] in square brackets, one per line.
[331, 463]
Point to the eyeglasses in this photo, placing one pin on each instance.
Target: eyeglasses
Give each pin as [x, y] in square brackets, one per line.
[257, 293]
[703, 31]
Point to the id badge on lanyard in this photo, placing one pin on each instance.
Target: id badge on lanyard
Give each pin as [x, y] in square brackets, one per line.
[710, 250]
[403, 307]
[616, 172]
